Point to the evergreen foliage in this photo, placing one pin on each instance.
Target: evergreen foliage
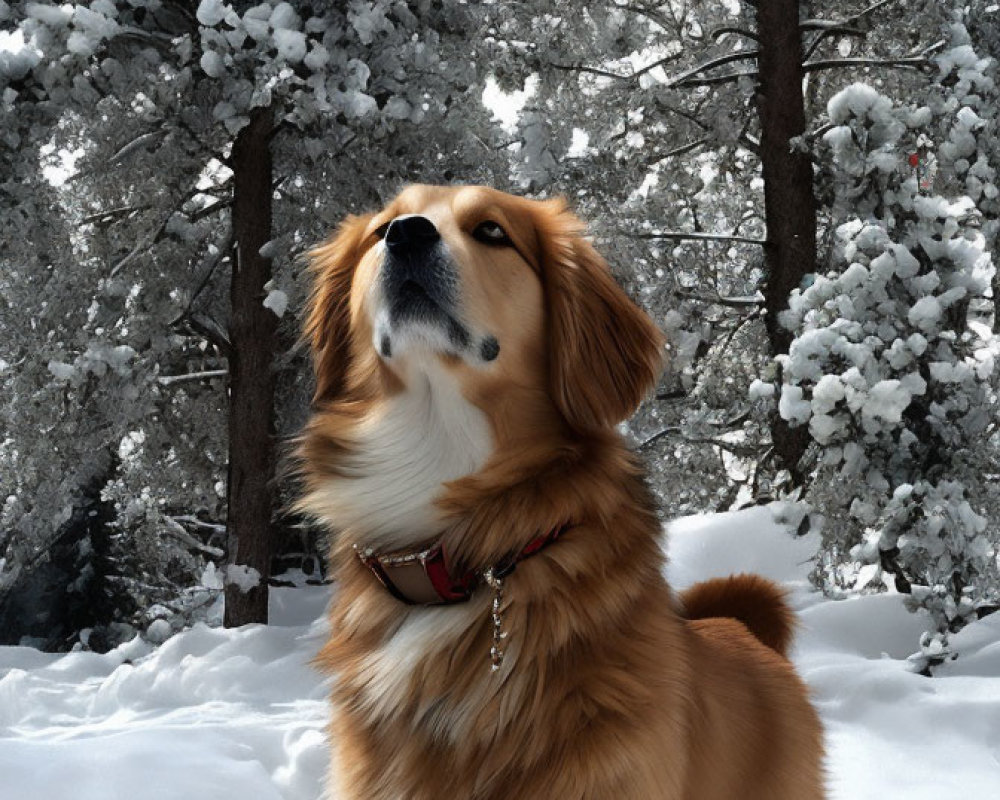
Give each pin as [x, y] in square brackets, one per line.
[893, 367]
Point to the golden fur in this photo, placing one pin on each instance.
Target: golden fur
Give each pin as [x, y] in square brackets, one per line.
[610, 689]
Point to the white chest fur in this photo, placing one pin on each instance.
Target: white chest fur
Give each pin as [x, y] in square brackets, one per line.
[403, 452]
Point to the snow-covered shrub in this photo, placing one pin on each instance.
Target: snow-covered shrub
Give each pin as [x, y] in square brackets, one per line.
[893, 364]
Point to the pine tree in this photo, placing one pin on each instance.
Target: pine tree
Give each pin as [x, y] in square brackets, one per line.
[893, 363]
[117, 332]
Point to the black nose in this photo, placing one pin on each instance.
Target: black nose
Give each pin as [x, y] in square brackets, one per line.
[410, 234]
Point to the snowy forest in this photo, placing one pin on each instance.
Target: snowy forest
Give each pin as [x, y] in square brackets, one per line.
[804, 195]
[819, 255]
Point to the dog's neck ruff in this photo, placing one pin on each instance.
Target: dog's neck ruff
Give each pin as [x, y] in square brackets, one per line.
[422, 577]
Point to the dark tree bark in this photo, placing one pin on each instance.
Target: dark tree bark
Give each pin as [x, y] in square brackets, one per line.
[252, 335]
[789, 205]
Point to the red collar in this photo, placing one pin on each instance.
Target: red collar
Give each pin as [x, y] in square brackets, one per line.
[422, 578]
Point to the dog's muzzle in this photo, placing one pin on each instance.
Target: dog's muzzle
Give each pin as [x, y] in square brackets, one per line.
[420, 282]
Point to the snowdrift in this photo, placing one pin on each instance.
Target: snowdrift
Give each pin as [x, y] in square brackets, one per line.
[218, 713]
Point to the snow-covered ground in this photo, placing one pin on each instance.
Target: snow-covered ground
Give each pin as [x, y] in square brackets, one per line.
[215, 714]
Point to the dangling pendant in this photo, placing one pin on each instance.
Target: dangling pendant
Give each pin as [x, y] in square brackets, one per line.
[497, 650]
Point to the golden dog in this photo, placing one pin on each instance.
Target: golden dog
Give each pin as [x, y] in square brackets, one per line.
[501, 626]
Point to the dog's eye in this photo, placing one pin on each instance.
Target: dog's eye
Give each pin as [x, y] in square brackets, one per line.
[381, 229]
[490, 232]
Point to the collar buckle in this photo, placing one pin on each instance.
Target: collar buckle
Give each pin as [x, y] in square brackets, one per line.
[423, 578]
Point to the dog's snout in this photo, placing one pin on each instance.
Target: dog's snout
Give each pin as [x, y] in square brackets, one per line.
[411, 233]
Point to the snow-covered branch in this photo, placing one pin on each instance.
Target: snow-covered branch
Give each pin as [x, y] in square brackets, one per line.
[750, 301]
[618, 76]
[908, 61]
[178, 531]
[684, 77]
[732, 77]
[722, 31]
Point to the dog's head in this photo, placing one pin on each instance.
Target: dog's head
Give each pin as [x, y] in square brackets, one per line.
[503, 293]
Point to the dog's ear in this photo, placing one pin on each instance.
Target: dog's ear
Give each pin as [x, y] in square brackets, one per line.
[327, 325]
[605, 353]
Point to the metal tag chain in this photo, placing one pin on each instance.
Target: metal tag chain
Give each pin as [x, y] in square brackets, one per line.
[499, 634]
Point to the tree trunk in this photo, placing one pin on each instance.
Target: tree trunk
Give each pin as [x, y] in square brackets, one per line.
[789, 205]
[252, 333]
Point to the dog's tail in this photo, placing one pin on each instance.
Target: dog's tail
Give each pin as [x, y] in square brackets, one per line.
[758, 603]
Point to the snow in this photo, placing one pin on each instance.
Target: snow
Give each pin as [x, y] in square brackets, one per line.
[17, 58]
[61, 370]
[760, 389]
[317, 58]
[53, 16]
[291, 44]
[215, 713]
[242, 576]
[211, 12]
[792, 407]
[887, 400]
[925, 314]
[284, 17]
[276, 301]
[210, 714]
[213, 64]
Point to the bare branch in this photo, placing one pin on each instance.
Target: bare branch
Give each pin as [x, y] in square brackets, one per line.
[683, 78]
[170, 380]
[688, 235]
[175, 529]
[753, 301]
[750, 144]
[678, 151]
[819, 131]
[655, 64]
[206, 276]
[189, 519]
[822, 36]
[137, 143]
[114, 214]
[210, 329]
[603, 73]
[732, 447]
[680, 112]
[141, 247]
[647, 443]
[124, 262]
[207, 211]
[730, 78]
